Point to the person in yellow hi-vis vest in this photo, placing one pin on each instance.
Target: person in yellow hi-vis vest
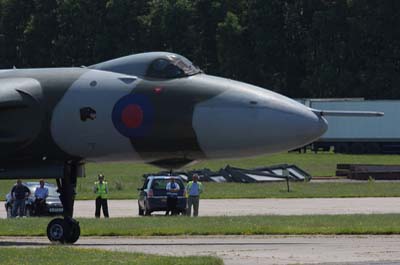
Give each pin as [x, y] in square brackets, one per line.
[193, 190]
[101, 191]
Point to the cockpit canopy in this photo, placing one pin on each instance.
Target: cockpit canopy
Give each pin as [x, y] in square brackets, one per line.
[159, 65]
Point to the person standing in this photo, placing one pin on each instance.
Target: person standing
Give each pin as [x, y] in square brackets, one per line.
[41, 194]
[101, 190]
[19, 193]
[172, 196]
[193, 190]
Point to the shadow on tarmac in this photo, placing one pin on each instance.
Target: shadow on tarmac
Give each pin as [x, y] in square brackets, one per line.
[23, 244]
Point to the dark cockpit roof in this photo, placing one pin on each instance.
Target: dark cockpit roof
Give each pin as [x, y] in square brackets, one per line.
[160, 65]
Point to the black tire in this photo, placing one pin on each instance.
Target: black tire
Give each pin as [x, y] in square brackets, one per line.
[141, 211]
[147, 211]
[56, 230]
[73, 231]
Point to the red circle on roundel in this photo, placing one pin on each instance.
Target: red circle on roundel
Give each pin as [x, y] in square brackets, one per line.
[132, 116]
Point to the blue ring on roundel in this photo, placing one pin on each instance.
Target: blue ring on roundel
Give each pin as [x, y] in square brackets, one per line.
[146, 107]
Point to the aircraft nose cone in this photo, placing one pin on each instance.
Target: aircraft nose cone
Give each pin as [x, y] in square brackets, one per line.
[307, 127]
[248, 120]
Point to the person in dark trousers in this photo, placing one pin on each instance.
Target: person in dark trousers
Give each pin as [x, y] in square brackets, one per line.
[101, 190]
[193, 190]
[41, 194]
[172, 196]
[19, 193]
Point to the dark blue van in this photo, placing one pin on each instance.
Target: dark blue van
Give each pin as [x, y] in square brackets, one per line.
[153, 195]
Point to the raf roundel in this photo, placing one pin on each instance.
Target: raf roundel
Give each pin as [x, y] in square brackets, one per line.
[133, 115]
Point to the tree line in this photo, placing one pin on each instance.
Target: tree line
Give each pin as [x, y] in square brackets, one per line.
[301, 48]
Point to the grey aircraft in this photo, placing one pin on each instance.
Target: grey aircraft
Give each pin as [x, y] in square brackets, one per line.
[152, 107]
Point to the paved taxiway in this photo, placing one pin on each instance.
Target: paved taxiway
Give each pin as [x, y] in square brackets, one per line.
[238, 250]
[236, 207]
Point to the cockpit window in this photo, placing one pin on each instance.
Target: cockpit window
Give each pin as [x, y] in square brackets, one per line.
[171, 67]
[162, 68]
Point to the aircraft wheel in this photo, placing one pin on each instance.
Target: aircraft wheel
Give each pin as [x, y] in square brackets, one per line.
[73, 231]
[56, 230]
[63, 230]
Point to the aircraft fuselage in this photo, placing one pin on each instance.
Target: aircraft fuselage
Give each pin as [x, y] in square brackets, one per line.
[94, 115]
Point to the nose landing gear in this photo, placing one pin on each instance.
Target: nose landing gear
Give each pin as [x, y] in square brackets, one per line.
[66, 230]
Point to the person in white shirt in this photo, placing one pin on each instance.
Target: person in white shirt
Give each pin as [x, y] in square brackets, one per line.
[172, 196]
[41, 194]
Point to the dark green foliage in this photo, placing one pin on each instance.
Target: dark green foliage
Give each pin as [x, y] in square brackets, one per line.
[301, 48]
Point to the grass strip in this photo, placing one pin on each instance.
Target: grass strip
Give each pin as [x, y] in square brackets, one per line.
[125, 178]
[68, 255]
[239, 225]
[276, 190]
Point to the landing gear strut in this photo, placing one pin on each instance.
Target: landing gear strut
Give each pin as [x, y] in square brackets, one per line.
[66, 230]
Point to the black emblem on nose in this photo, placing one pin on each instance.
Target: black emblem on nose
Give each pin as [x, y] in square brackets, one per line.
[87, 113]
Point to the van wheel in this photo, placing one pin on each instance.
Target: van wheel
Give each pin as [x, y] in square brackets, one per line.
[147, 211]
[141, 211]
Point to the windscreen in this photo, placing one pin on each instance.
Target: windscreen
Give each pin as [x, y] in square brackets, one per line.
[161, 184]
[170, 67]
[52, 189]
